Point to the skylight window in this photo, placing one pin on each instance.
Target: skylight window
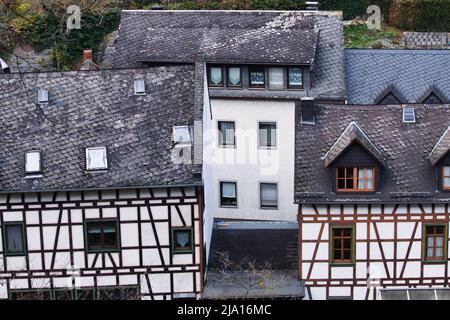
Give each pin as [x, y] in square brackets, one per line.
[139, 86]
[96, 159]
[182, 135]
[409, 115]
[33, 162]
[43, 96]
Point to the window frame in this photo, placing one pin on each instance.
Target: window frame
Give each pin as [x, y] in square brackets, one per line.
[443, 187]
[135, 86]
[87, 149]
[264, 85]
[295, 87]
[221, 192]
[39, 171]
[101, 250]
[413, 114]
[228, 76]
[355, 179]
[173, 244]
[352, 260]
[260, 196]
[434, 259]
[210, 84]
[276, 135]
[5, 239]
[220, 133]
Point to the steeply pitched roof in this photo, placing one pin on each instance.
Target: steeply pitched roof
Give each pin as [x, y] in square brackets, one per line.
[92, 109]
[272, 37]
[441, 147]
[352, 133]
[412, 72]
[407, 174]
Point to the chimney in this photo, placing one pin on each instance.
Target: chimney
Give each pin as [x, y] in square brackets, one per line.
[88, 61]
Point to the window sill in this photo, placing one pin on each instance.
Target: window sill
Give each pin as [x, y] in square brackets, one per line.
[15, 254]
[434, 261]
[228, 207]
[102, 251]
[342, 264]
[227, 146]
[267, 148]
[268, 208]
[96, 171]
[33, 176]
[183, 251]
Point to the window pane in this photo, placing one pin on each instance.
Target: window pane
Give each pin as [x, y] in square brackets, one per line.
[439, 241]
[268, 195]
[182, 135]
[349, 173]
[337, 255]
[349, 184]
[337, 244]
[267, 134]
[234, 76]
[347, 254]
[341, 172]
[96, 158]
[447, 171]
[295, 78]
[257, 77]
[369, 184]
[102, 235]
[215, 76]
[276, 78]
[228, 190]
[429, 252]
[182, 238]
[360, 184]
[439, 252]
[226, 133]
[447, 182]
[14, 238]
[347, 243]
[33, 162]
[347, 232]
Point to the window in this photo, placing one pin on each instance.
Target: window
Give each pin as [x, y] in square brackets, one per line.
[342, 245]
[42, 96]
[435, 242]
[102, 235]
[307, 111]
[276, 78]
[139, 86]
[226, 133]
[267, 134]
[295, 78]
[33, 162]
[216, 77]
[182, 135]
[355, 179]
[409, 115]
[96, 159]
[14, 239]
[228, 196]
[257, 77]
[182, 240]
[446, 177]
[269, 195]
[234, 77]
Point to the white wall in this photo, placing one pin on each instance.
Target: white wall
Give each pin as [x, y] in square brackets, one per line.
[247, 164]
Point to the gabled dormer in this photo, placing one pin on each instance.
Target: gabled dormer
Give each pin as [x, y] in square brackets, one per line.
[390, 95]
[355, 162]
[432, 96]
[439, 157]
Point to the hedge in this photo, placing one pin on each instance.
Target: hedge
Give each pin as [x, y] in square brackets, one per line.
[424, 15]
[355, 8]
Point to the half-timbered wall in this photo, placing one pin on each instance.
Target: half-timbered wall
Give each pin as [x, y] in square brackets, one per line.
[56, 254]
[388, 249]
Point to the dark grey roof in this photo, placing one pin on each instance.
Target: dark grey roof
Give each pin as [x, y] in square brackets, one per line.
[441, 147]
[92, 109]
[413, 74]
[271, 37]
[260, 243]
[407, 173]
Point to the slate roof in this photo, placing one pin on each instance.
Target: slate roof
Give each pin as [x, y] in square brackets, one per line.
[441, 148]
[408, 174]
[271, 37]
[412, 73]
[92, 109]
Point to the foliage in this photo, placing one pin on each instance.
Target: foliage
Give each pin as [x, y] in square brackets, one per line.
[424, 15]
[225, 4]
[355, 8]
[359, 36]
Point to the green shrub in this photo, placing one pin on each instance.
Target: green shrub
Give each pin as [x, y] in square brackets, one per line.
[355, 8]
[424, 15]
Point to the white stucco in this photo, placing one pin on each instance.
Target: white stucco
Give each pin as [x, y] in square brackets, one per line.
[247, 164]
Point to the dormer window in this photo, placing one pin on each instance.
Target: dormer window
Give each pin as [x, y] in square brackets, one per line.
[446, 177]
[295, 78]
[139, 87]
[96, 159]
[216, 76]
[182, 135]
[257, 77]
[409, 115]
[33, 162]
[234, 76]
[276, 78]
[355, 179]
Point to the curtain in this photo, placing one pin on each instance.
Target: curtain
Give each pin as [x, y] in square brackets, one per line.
[216, 76]
[234, 76]
[182, 238]
[227, 133]
[267, 134]
[14, 238]
[276, 78]
[228, 190]
[295, 77]
[268, 194]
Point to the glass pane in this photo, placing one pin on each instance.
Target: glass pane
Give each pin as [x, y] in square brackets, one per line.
[295, 77]
[257, 77]
[228, 190]
[349, 173]
[110, 240]
[215, 76]
[430, 241]
[337, 244]
[94, 228]
[439, 241]
[226, 135]
[360, 184]
[234, 76]
[369, 184]
[349, 184]
[268, 195]
[447, 171]
[360, 173]
[182, 238]
[182, 134]
[267, 134]
[347, 254]
[96, 158]
[14, 238]
[439, 252]
[33, 162]
[347, 243]
[446, 182]
[341, 184]
[276, 78]
[337, 255]
[429, 252]
[347, 232]
[341, 172]
[369, 173]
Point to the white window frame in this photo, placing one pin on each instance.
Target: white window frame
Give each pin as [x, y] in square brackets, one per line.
[184, 143]
[139, 87]
[43, 96]
[29, 168]
[413, 114]
[96, 168]
[260, 196]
